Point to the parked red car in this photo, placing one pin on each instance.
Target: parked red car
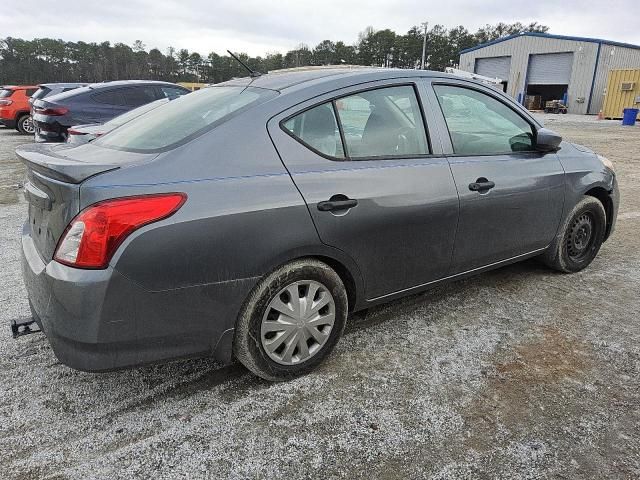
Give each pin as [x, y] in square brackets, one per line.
[14, 108]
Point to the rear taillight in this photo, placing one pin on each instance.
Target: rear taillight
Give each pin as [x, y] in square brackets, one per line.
[71, 131]
[94, 234]
[6, 102]
[52, 111]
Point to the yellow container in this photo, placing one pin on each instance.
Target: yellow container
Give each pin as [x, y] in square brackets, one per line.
[193, 86]
[623, 91]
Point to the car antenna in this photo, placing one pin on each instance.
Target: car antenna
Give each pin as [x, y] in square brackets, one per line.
[252, 73]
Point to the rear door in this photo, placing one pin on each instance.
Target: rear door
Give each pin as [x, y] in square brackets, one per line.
[375, 186]
[511, 196]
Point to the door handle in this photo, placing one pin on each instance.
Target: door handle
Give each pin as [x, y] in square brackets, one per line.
[481, 185]
[341, 204]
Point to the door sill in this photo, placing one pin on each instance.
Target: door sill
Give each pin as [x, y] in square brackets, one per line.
[456, 276]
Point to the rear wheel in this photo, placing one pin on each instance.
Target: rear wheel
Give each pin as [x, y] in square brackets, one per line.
[291, 321]
[579, 239]
[25, 125]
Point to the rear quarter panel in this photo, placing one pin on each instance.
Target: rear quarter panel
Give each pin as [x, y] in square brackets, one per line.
[242, 218]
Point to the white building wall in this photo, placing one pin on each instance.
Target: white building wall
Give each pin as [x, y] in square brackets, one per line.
[584, 64]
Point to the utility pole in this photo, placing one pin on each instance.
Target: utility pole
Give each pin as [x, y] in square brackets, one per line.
[424, 45]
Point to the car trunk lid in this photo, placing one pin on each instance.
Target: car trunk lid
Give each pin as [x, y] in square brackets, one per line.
[55, 173]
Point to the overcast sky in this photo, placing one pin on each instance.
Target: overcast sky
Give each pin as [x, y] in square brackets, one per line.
[260, 26]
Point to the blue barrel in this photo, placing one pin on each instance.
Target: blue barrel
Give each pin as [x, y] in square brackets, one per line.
[629, 116]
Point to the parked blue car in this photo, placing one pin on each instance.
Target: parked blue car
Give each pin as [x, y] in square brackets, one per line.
[95, 103]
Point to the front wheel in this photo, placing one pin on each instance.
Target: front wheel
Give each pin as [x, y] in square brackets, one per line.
[25, 125]
[579, 239]
[291, 321]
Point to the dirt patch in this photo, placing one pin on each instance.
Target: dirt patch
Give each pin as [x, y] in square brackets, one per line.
[513, 397]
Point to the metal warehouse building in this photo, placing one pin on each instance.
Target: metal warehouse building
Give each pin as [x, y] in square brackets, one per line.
[553, 66]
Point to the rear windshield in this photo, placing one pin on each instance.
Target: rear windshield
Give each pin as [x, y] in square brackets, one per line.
[185, 118]
[5, 93]
[135, 113]
[41, 93]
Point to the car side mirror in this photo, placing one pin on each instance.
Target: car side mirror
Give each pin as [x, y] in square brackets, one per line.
[547, 140]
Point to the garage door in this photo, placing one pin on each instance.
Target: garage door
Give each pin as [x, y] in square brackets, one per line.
[550, 69]
[494, 67]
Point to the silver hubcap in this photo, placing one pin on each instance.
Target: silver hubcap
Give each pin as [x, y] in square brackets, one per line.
[297, 322]
[27, 125]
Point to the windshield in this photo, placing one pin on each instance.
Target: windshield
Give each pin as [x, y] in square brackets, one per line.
[5, 93]
[184, 118]
[135, 113]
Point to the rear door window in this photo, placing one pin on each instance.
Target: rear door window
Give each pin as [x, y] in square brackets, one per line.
[378, 123]
[136, 96]
[385, 122]
[317, 128]
[172, 92]
[110, 97]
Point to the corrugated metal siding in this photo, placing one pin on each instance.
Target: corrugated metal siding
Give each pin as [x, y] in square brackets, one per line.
[584, 63]
[550, 69]
[611, 58]
[495, 67]
[616, 100]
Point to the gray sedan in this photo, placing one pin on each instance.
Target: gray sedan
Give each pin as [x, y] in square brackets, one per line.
[248, 219]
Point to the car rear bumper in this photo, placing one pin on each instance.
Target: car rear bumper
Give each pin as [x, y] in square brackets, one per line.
[8, 122]
[48, 129]
[43, 135]
[99, 320]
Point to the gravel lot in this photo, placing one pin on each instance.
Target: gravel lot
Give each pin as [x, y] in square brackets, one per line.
[518, 373]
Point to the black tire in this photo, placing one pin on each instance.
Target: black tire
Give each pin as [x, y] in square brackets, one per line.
[24, 125]
[247, 343]
[580, 237]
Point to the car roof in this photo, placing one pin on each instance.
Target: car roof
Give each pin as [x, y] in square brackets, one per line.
[283, 79]
[124, 83]
[18, 87]
[63, 85]
[106, 85]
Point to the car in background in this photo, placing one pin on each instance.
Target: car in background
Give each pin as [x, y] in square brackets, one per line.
[49, 89]
[95, 103]
[14, 108]
[79, 134]
[249, 218]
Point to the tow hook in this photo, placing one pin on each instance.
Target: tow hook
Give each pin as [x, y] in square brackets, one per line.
[23, 327]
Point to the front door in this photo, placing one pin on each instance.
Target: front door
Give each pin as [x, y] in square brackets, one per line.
[374, 187]
[511, 196]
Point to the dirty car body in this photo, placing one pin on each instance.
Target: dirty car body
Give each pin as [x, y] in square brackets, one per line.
[258, 188]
